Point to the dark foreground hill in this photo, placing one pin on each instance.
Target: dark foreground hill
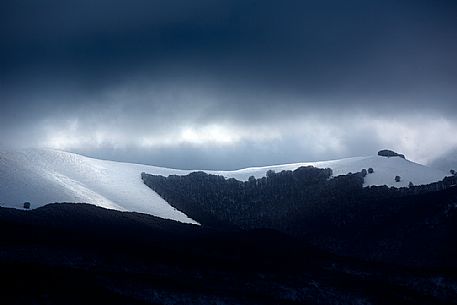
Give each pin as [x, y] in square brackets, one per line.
[82, 254]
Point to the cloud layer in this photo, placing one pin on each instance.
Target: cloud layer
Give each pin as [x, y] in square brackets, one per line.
[229, 84]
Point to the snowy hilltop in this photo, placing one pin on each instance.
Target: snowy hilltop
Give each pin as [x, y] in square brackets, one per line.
[42, 176]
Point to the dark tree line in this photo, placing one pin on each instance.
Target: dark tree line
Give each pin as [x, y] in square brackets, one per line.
[263, 202]
[283, 200]
[389, 154]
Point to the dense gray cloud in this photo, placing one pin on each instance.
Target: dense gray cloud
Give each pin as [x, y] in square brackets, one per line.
[229, 83]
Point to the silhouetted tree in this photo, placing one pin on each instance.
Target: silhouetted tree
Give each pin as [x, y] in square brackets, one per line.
[370, 170]
[27, 205]
[411, 184]
[397, 178]
[364, 172]
[389, 153]
[452, 172]
[270, 173]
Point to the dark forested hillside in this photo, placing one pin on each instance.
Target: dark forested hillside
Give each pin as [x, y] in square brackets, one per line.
[412, 226]
[264, 202]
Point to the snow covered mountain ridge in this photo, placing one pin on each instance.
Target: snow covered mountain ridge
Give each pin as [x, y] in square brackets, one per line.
[43, 176]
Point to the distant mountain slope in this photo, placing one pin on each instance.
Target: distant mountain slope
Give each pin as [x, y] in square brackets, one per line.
[41, 176]
[385, 170]
[446, 163]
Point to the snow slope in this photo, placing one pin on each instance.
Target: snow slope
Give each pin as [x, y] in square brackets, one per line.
[385, 170]
[44, 176]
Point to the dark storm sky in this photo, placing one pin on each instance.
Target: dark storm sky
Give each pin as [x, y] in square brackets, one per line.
[227, 84]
